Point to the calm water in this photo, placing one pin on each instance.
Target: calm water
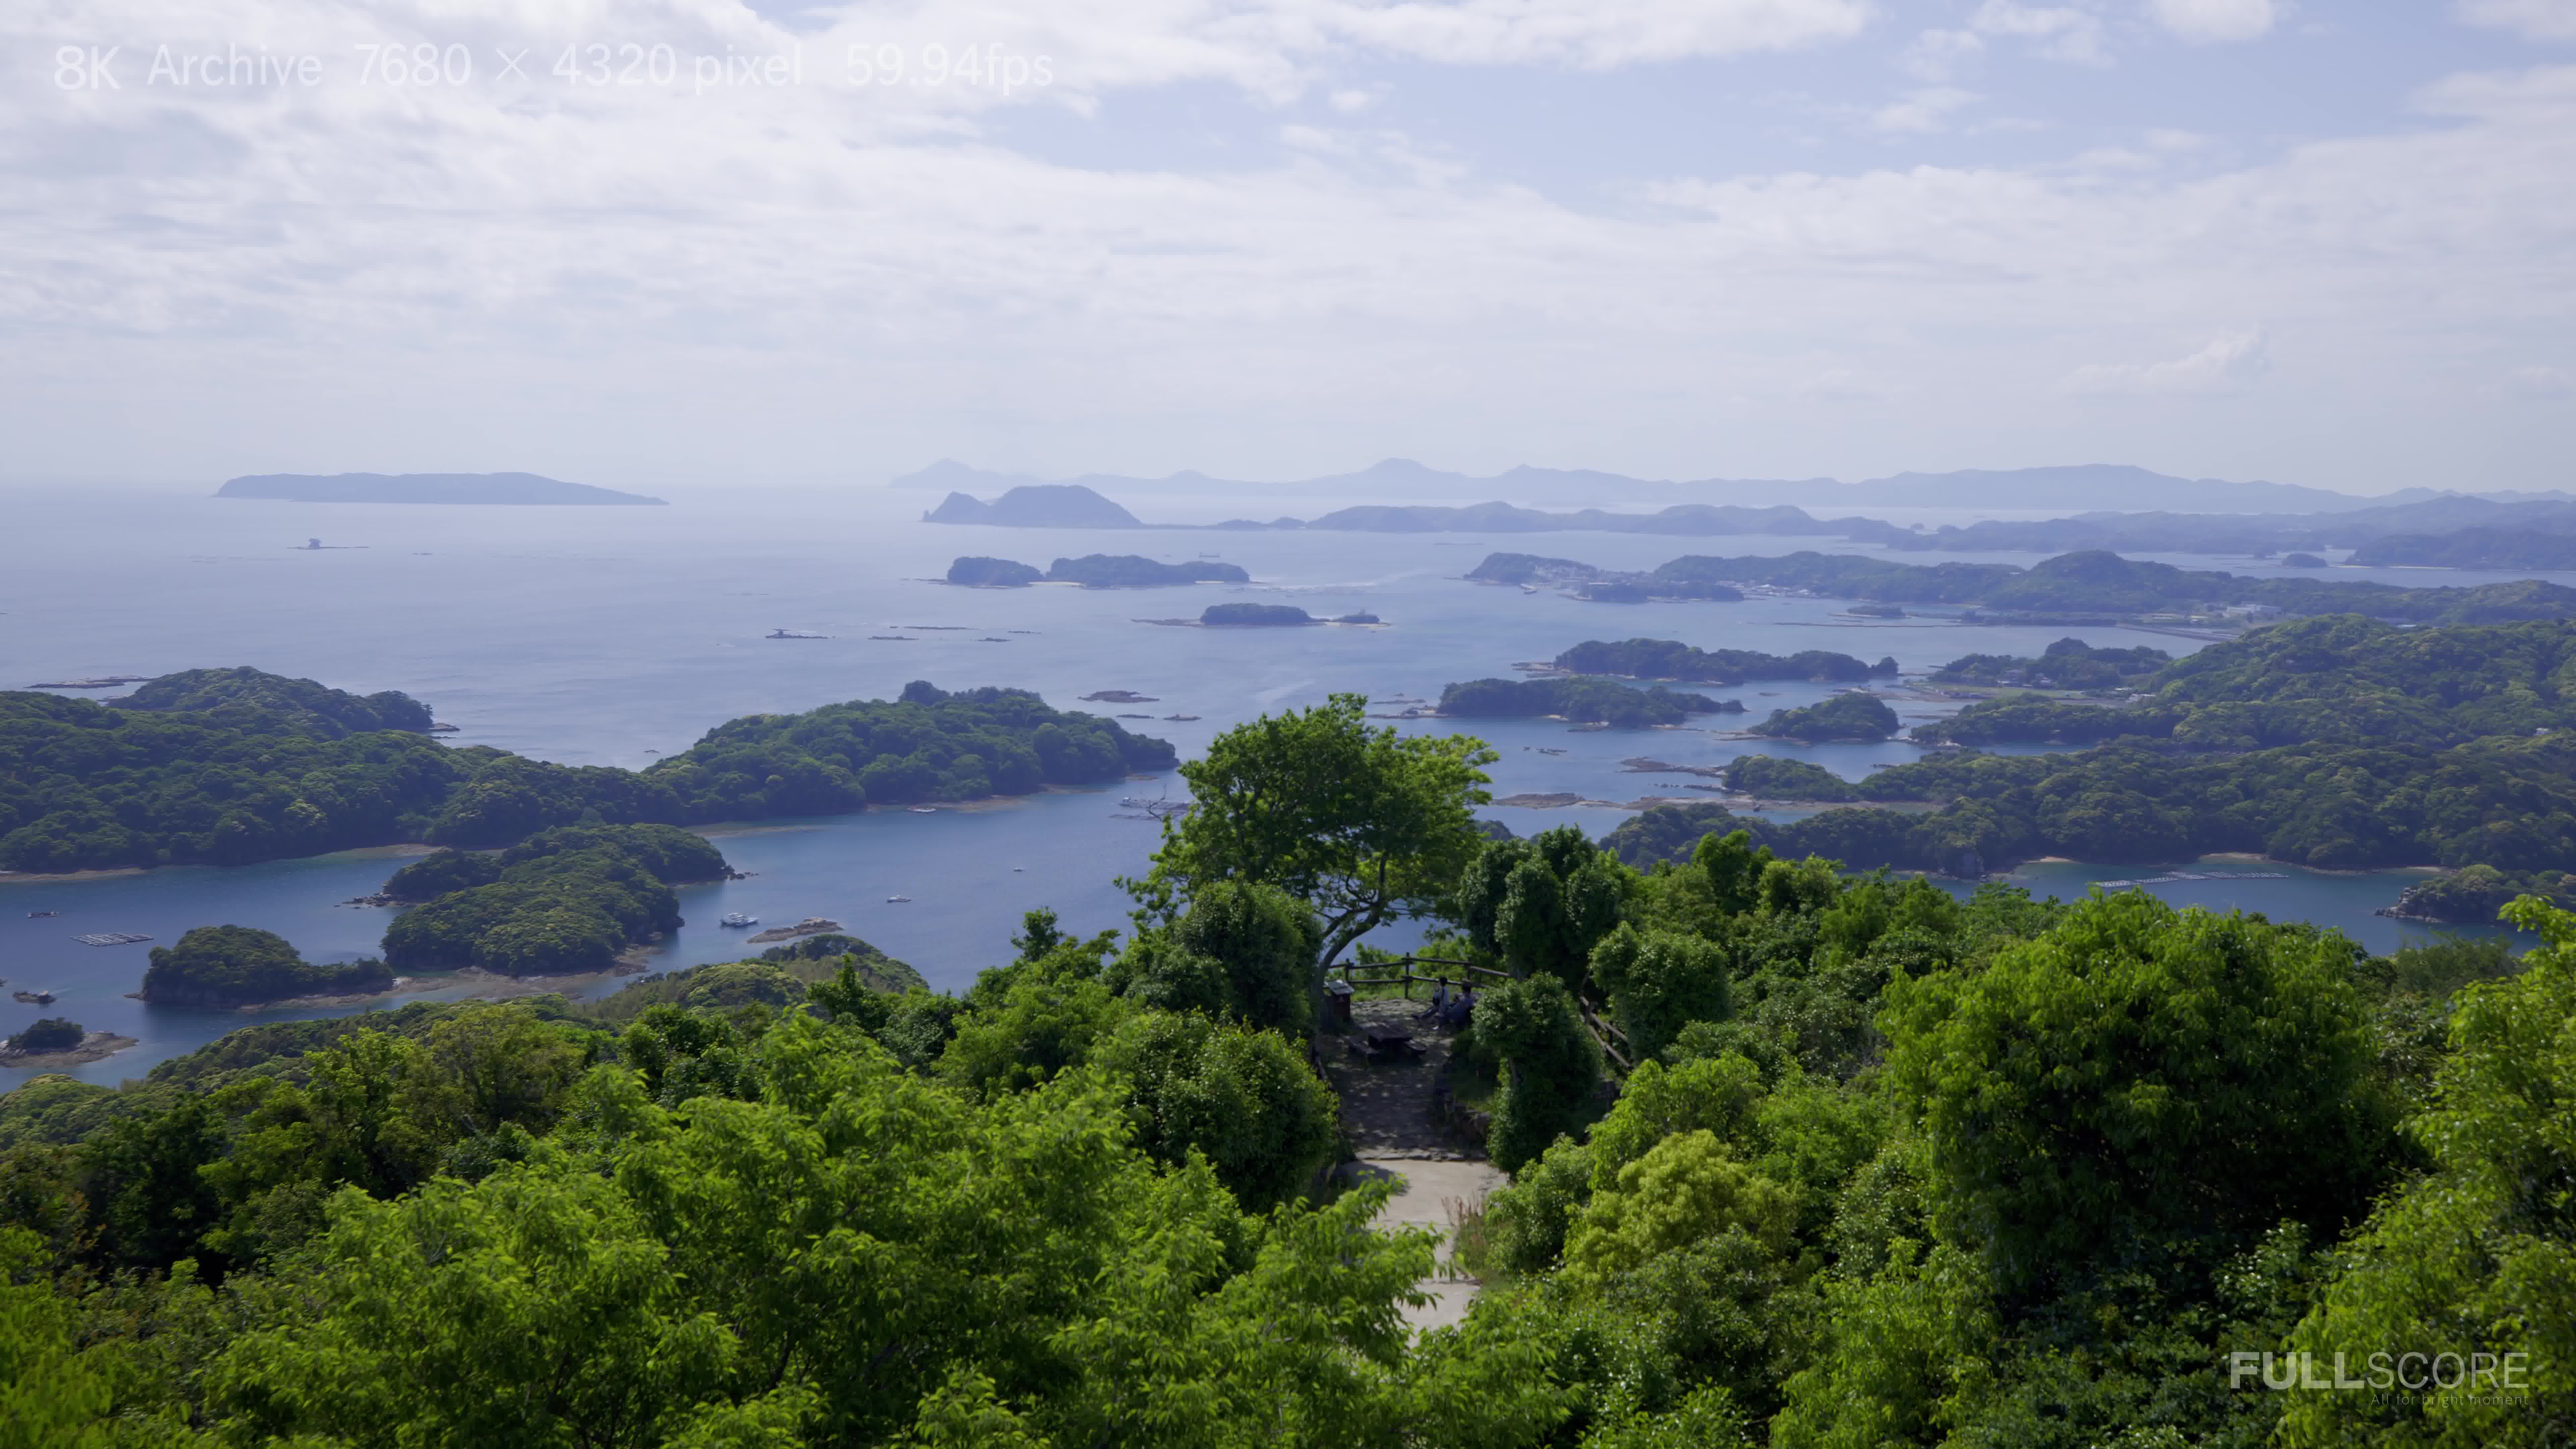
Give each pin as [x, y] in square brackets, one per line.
[617, 635]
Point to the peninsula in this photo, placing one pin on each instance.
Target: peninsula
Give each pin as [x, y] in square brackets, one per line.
[507, 488]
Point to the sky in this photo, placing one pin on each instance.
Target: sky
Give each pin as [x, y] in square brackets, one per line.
[703, 243]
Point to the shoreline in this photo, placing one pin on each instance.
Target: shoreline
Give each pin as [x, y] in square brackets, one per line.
[97, 1046]
[402, 848]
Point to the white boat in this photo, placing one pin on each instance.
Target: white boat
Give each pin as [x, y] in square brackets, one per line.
[922, 809]
[898, 900]
[737, 918]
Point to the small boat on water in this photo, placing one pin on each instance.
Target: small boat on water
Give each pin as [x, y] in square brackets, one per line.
[794, 634]
[898, 900]
[922, 809]
[737, 918]
[35, 998]
[40, 915]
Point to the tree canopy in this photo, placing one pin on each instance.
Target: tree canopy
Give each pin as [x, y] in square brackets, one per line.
[1365, 825]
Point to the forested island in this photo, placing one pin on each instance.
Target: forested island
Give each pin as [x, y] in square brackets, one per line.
[1797, 1158]
[562, 901]
[506, 488]
[2475, 895]
[2066, 664]
[1683, 663]
[226, 767]
[1256, 616]
[223, 967]
[2472, 548]
[1096, 571]
[1578, 698]
[2090, 584]
[1035, 505]
[2336, 742]
[1860, 717]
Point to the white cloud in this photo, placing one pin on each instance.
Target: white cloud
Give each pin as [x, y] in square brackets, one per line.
[1935, 56]
[1921, 111]
[1592, 34]
[2533, 19]
[2056, 32]
[2215, 21]
[2229, 363]
[2542, 382]
[355, 275]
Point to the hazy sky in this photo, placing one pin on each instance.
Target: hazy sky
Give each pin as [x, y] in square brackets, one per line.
[2322, 243]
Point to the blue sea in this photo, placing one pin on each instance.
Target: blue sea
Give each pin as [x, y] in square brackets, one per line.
[619, 635]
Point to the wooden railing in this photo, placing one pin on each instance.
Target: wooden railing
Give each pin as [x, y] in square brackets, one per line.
[1400, 972]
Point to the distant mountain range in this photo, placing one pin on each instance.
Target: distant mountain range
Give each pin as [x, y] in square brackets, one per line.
[2448, 530]
[512, 488]
[2075, 488]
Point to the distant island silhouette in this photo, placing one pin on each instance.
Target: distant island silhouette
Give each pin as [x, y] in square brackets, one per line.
[510, 488]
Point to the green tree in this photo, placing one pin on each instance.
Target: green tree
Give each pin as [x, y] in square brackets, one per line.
[1687, 1187]
[860, 1256]
[1660, 982]
[1243, 1099]
[1265, 942]
[1042, 1026]
[2141, 1071]
[1365, 825]
[1550, 1065]
[2479, 1255]
[49, 1397]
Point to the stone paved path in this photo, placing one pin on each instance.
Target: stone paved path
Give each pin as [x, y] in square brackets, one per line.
[1387, 1111]
[1387, 1106]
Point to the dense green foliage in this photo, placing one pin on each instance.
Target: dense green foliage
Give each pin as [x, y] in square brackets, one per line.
[2479, 1254]
[2066, 664]
[1539, 906]
[2477, 894]
[1364, 825]
[2511, 804]
[2332, 742]
[2137, 1077]
[227, 767]
[254, 699]
[1577, 697]
[930, 745]
[1666, 659]
[1884, 1166]
[811, 968]
[84, 785]
[565, 901]
[2342, 679]
[1774, 777]
[227, 966]
[1841, 717]
[2037, 719]
[1243, 950]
